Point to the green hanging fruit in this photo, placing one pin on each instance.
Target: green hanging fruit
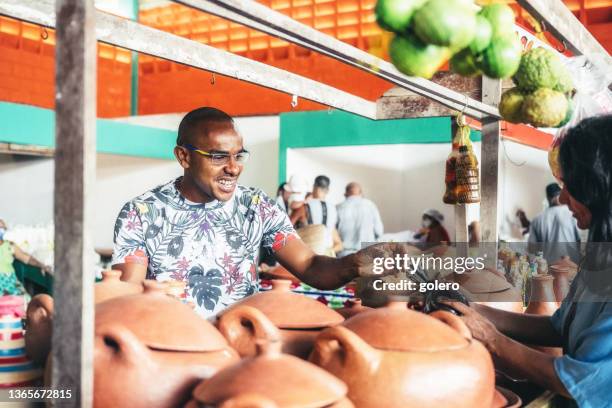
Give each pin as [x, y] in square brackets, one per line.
[545, 108]
[482, 37]
[413, 57]
[449, 23]
[502, 57]
[542, 68]
[501, 18]
[395, 15]
[463, 63]
[511, 104]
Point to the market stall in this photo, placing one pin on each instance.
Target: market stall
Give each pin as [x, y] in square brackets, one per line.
[164, 350]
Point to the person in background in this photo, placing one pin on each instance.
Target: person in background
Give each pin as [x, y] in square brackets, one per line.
[299, 188]
[9, 251]
[474, 233]
[282, 196]
[524, 221]
[432, 231]
[316, 211]
[358, 220]
[554, 231]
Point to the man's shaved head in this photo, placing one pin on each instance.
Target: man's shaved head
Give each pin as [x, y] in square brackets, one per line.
[202, 120]
[352, 189]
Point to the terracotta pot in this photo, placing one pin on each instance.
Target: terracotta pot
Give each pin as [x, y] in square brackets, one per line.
[389, 358]
[270, 379]
[505, 399]
[561, 282]
[39, 328]
[112, 286]
[299, 318]
[566, 262]
[151, 350]
[491, 289]
[542, 299]
[352, 307]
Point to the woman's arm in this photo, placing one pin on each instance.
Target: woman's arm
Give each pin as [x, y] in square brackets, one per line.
[28, 259]
[525, 328]
[530, 364]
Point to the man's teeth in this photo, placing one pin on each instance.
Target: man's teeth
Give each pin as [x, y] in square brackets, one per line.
[227, 183]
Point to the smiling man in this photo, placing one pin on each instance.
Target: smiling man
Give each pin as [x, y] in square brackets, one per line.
[206, 230]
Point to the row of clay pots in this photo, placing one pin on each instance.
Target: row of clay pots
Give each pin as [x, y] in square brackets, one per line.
[383, 357]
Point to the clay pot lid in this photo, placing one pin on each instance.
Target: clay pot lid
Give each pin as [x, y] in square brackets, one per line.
[395, 327]
[565, 261]
[112, 286]
[482, 281]
[160, 322]
[543, 277]
[288, 310]
[284, 379]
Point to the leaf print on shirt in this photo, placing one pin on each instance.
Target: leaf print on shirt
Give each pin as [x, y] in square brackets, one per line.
[175, 247]
[205, 286]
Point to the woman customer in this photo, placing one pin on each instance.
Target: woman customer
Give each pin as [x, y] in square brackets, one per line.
[583, 323]
[9, 284]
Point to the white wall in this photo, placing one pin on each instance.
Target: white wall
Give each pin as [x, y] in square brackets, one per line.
[27, 182]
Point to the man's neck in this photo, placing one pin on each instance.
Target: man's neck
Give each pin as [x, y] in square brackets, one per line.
[189, 190]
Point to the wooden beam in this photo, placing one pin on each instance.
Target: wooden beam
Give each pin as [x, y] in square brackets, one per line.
[75, 161]
[400, 103]
[489, 169]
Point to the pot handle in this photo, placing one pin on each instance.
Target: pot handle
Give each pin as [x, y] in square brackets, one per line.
[243, 325]
[453, 321]
[123, 344]
[352, 351]
[249, 400]
[41, 305]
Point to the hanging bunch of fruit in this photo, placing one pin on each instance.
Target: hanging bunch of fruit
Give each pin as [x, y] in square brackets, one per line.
[430, 32]
[542, 96]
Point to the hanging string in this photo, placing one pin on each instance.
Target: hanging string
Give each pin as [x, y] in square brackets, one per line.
[508, 157]
[212, 79]
[294, 102]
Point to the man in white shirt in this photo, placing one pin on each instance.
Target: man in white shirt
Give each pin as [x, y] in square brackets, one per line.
[358, 220]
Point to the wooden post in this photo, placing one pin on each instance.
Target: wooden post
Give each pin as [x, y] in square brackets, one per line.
[75, 140]
[491, 131]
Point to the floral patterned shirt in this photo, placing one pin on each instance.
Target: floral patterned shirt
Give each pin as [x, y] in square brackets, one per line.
[213, 247]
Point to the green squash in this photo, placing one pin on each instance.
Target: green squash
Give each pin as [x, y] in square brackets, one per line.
[502, 57]
[545, 108]
[501, 18]
[463, 63]
[395, 15]
[413, 57]
[448, 23]
[483, 35]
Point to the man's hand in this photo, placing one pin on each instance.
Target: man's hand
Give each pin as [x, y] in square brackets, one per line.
[365, 257]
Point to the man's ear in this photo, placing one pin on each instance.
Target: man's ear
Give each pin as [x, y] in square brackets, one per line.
[182, 156]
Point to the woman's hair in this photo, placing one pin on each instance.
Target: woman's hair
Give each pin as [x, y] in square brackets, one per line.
[585, 157]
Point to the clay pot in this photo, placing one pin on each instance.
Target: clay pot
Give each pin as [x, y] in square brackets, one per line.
[491, 289]
[505, 399]
[352, 307]
[542, 300]
[561, 282]
[270, 378]
[39, 328]
[299, 318]
[389, 357]
[151, 350]
[566, 262]
[112, 286]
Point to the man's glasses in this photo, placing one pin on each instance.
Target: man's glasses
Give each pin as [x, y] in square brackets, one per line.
[221, 159]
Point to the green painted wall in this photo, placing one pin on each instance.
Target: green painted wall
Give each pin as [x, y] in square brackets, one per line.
[338, 128]
[30, 125]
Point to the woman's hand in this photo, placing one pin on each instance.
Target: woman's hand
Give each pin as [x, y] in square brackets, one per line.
[482, 328]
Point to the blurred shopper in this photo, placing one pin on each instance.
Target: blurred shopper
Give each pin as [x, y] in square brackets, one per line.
[524, 221]
[9, 251]
[317, 211]
[282, 196]
[554, 231]
[358, 220]
[474, 233]
[432, 231]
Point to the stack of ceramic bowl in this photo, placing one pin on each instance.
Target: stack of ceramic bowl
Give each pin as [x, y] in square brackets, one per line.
[16, 370]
